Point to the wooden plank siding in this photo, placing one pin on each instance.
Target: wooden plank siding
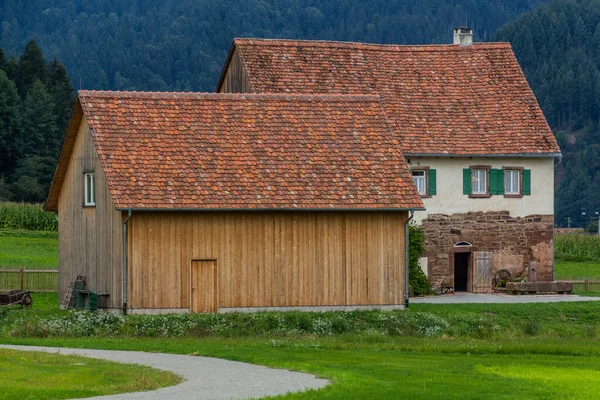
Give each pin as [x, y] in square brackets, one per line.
[235, 79]
[268, 258]
[90, 238]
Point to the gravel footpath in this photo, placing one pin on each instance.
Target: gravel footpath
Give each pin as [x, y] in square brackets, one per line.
[204, 377]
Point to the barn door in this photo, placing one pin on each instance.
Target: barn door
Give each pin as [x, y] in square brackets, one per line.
[204, 296]
[482, 272]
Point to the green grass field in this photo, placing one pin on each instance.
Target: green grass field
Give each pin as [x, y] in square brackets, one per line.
[536, 351]
[567, 270]
[28, 249]
[365, 369]
[33, 375]
[540, 351]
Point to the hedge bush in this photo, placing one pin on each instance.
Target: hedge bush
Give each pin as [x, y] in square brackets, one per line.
[418, 282]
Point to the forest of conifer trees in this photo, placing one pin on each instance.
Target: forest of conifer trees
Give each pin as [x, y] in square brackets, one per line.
[558, 47]
[167, 45]
[36, 99]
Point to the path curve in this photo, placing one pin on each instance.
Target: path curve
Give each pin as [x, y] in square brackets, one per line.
[204, 377]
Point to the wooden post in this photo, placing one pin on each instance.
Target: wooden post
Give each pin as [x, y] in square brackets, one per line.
[586, 285]
[21, 278]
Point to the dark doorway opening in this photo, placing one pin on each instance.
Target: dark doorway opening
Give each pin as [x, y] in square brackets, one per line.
[461, 271]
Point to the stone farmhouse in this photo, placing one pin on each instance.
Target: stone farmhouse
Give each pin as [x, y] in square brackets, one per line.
[469, 126]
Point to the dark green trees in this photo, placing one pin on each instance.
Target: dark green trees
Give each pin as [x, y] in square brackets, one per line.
[182, 44]
[10, 125]
[558, 46]
[31, 68]
[35, 107]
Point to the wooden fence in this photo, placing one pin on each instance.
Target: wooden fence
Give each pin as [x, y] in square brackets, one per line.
[35, 280]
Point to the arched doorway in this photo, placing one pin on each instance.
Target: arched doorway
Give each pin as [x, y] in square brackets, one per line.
[462, 263]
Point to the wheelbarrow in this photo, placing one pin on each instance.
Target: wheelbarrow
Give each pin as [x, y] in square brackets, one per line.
[13, 297]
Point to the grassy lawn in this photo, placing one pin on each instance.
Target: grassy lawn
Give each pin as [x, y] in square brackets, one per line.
[577, 257]
[578, 268]
[361, 368]
[574, 270]
[32, 375]
[538, 351]
[28, 249]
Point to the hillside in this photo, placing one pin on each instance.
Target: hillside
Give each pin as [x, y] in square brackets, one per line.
[558, 46]
[181, 45]
[169, 45]
[36, 99]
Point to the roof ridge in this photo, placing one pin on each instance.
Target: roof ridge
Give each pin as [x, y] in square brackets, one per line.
[224, 96]
[375, 46]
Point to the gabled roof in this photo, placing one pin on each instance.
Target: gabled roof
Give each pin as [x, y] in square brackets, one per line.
[440, 100]
[215, 151]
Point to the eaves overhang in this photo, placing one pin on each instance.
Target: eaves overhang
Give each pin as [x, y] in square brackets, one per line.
[266, 209]
[520, 155]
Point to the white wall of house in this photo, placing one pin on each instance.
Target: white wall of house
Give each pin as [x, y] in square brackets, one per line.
[451, 200]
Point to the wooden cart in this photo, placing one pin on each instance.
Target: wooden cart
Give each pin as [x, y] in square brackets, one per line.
[22, 297]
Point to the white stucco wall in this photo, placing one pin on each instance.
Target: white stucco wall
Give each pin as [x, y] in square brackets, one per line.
[451, 200]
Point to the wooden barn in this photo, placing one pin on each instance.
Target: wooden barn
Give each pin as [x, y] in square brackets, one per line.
[186, 202]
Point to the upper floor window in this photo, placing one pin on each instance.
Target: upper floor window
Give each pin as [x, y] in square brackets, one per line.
[420, 183]
[425, 181]
[476, 181]
[512, 181]
[479, 181]
[89, 189]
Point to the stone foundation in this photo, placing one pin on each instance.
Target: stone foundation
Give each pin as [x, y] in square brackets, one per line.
[514, 243]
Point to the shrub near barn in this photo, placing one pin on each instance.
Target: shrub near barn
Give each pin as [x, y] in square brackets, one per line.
[418, 283]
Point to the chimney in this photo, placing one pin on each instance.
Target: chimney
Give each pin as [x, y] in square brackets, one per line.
[463, 36]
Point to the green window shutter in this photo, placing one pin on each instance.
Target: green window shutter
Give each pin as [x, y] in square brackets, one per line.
[496, 181]
[526, 182]
[467, 181]
[432, 182]
[500, 181]
[493, 181]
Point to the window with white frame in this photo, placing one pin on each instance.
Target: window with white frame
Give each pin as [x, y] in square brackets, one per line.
[419, 178]
[512, 181]
[479, 181]
[89, 189]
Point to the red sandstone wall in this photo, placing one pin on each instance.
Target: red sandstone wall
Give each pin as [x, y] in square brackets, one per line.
[514, 242]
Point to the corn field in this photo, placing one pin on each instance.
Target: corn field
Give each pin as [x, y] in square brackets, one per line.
[577, 245]
[24, 216]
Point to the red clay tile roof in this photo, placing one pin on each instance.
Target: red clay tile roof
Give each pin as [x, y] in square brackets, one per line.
[214, 151]
[442, 99]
